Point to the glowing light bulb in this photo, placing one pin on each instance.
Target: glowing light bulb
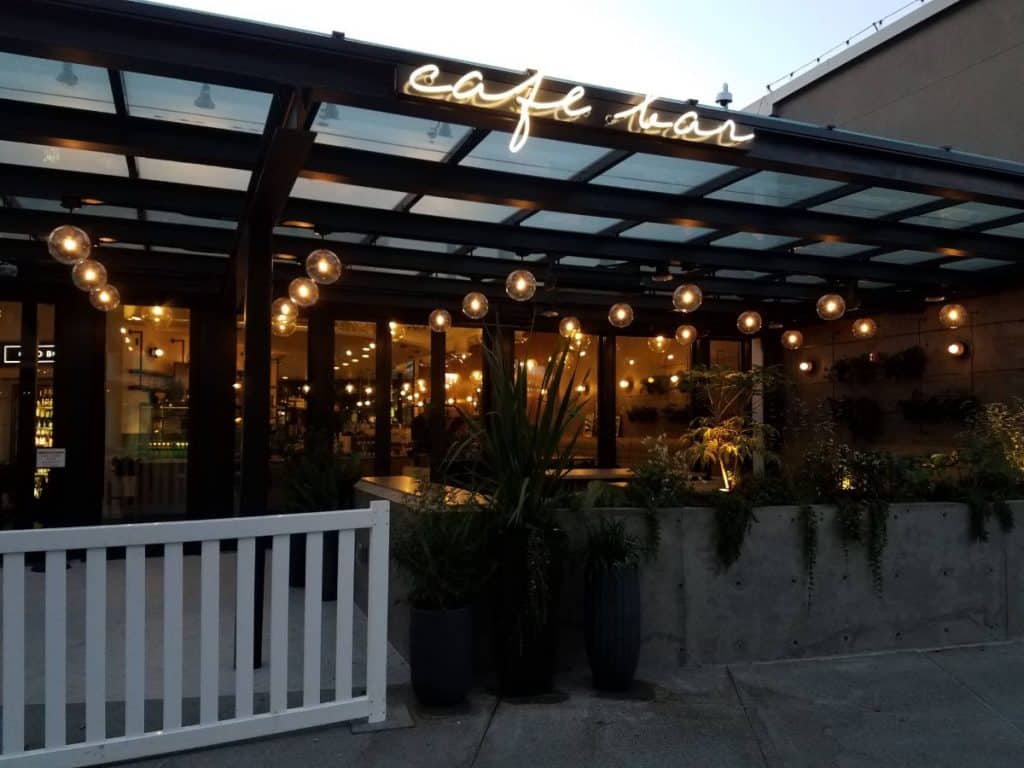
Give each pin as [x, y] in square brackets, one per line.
[620, 315]
[69, 244]
[953, 315]
[323, 266]
[687, 298]
[475, 305]
[440, 320]
[749, 322]
[303, 292]
[521, 285]
[865, 328]
[657, 344]
[686, 334]
[88, 274]
[105, 298]
[792, 339]
[283, 308]
[831, 306]
[806, 366]
[568, 326]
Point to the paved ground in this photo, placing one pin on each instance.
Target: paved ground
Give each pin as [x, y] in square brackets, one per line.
[959, 708]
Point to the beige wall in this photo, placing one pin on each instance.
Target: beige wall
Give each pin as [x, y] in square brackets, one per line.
[953, 80]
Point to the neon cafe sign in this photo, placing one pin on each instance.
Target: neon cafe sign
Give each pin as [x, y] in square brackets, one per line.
[528, 99]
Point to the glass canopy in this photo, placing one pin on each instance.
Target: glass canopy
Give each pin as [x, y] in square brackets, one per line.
[651, 230]
[753, 240]
[462, 209]
[57, 83]
[964, 215]
[191, 173]
[874, 202]
[539, 157]
[772, 188]
[568, 222]
[62, 158]
[373, 131]
[657, 173]
[186, 101]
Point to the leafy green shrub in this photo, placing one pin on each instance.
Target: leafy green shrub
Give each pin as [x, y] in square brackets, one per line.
[662, 479]
[609, 545]
[320, 480]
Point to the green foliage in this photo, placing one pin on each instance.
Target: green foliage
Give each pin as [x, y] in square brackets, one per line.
[320, 480]
[600, 494]
[609, 545]
[441, 546]
[662, 479]
[938, 409]
[878, 537]
[809, 540]
[733, 517]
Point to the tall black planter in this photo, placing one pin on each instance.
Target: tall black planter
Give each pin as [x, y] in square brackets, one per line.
[526, 620]
[297, 564]
[612, 624]
[441, 655]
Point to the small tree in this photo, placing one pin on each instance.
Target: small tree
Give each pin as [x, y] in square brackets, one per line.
[727, 436]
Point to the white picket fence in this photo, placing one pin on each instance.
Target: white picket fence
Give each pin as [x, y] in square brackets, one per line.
[172, 736]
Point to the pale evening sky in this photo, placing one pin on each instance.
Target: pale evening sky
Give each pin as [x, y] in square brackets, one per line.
[675, 48]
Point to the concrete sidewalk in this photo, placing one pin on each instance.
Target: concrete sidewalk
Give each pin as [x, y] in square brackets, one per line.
[959, 707]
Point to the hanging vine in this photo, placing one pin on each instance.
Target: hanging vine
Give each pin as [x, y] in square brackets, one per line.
[809, 529]
[733, 517]
[878, 537]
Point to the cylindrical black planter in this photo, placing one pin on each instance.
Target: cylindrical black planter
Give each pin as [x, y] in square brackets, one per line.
[612, 624]
[297, 564]
[441, 655]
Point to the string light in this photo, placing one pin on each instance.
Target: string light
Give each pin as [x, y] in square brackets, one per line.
[865, 328]
[806, 366]
[520, 285]
[105, 298]
[953, 315]
[792, 339]
[956, 349]
[68, 244]
[686, 334]
[620, 315]
[88, 274]
[831, 306]
[749, 322]
[475, 305]
[303, 292]
[283, 308]
[440, 320]
[687, 298]
[568, 326]
[323, 266]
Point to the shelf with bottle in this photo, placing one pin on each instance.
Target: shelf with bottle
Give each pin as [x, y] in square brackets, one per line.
[44, 417]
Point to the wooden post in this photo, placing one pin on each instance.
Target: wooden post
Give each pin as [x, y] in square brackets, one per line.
[382, 401]
[25, 452]
[606, 406]
[438, 447]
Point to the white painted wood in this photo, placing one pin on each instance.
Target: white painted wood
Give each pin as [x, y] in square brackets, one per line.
[173, 625]
[209, 631]
[134, 640]
[55, 649]
[191, 737]
[313, 618]
[138, 534]
[244, 597]
[377, 613]
[14, 653]
[344, 628]
[95, 645]
[279, 625]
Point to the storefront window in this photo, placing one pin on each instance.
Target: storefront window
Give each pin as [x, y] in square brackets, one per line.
[147, 427]
[355, 366]
[649, 403]
[410, 400]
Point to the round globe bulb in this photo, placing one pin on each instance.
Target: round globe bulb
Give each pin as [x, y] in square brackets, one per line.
[475, 305]
[953, 315]
[521, 285]
[88, 274]
[283, 308]
[440, 320]
[657, 343]
[69, 244]
[865, 328]
[568, 326]
[159, 316]
[749, 322]
[687, 298]
[686, 335]
[831, 306]
[303, 292]
[792, 339]
[620, 315]
[323, 266]
[105, 298]
[283, 325]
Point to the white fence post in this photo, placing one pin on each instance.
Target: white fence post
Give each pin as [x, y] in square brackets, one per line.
[97, 748]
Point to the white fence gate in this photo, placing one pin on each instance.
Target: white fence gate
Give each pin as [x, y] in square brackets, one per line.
[98, 747]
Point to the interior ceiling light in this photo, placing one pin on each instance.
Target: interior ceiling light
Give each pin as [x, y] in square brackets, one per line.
[662, 274]
[205, 100]
[91, 201]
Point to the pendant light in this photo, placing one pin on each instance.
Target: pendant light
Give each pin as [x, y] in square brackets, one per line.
[440, 320]
[687, 298]
[158, 316]
[831, 306]
[323, 266]
[88, 274]
[303, 292]
[686, 335]
[749, 322]
[397, 331]
[520, 285]
[953, 315]
[620, 315]
[283, 325]
[865, 328]
[283, 308]
[568, 326]
[657, 344]
[68, 244]
[792, 339]
[475, 305]
[105, 298]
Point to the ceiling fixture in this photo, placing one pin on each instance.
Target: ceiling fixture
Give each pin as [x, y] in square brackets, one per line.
[686, 335]
[580, 342]
[953, 315]
[620, 315]
[687, 298]
[440, 320]
[67, 75]
[105, 298]
[626, 384]
[283, 325]
[397, 331]
[323, 266]
[68, 244]
[749, 322]
[831, 306]
[88, 274]
[657, 344]
[865, 328]
[283, 308]
[475, 305]
[792, 339]
[303, 292]
[568, 326]
[205, 100]
[155, 352]
[521, 285]
[158, 316]
[957, 349]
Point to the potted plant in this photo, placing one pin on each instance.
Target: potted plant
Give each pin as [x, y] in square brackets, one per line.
[523, 448]
[441, 548]
[319, 481]
[611, 604]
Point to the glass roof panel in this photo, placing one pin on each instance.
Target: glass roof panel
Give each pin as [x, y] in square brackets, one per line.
[872, 284]
[192, 173]
[114, 211]
[659, 173]
[167, 249]
[569, 222]
[62, 84]
[347, 194]
[832, 250]
[755, 240]
[805, 279]
[587, 261]
[169, 217]
[538, 157]
[416, 245]
[62, 158]
[874, 202]
[974, 264]
[486, 252]
[963, 215]
[367, 129]
[906, 257]
[773, 188]
[186, 101]
[1010, 230]
[462, 209]
[740, 274]
[651, 230]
